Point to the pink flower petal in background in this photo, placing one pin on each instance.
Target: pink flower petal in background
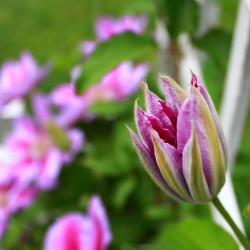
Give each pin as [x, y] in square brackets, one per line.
[68, 112]
[88, 46]
[118, 84]
[75, 231]
[107, 26]
[36, 157]
[14, 197]
[17, 78]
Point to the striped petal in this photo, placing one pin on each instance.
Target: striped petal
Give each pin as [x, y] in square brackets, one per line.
[170, 165]
[192, 169]
[150, 166]
[213, 163]
[196, 82]
[175, 95]
[145, 122]
[158, 108]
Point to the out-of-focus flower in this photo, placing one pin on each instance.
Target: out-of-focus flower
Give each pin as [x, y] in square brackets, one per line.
[88, 46]
[14, 197]
[107, 26]
[36, 154]
[62, 107]
[118, 84]
[183, 148]
[17, 78]
[76, 231]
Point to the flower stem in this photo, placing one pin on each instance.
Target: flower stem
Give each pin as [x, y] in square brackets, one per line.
[243, 240]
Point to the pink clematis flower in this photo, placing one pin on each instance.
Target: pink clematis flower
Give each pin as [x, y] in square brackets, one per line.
[38, 154]
[14, 197]
[107, 26]
[183, 147]
[80, 232]
[68, 112]
[118, 84]
[17, 78]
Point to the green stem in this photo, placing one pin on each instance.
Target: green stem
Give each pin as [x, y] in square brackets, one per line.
[243, 240]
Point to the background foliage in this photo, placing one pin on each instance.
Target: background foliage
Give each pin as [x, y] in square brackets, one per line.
[139, 212]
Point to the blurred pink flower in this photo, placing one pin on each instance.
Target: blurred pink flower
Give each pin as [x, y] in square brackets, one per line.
[17, 78]
[76, 231]
[35, 155]
[14, 197]
[69, 106]
[88, 46]
[118, 84]
[107, 26]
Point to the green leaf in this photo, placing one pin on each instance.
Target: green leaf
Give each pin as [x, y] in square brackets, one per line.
[197, 235]
[123, 190]
[111, 108]
[109, 54]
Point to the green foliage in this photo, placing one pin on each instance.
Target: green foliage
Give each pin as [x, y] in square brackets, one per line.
[182, 16]
[140, 214]
[109, 54]
[192, 234]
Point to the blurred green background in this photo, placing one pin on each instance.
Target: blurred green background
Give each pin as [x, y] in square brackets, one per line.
[137, 209]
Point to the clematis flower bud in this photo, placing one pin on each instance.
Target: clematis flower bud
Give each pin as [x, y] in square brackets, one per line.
[182, 145]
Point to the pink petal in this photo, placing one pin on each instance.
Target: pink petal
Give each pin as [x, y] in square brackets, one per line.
[41, 108]
[175, 95]
[145, 122]
[195, 108]
[169, 162]
[88, 47]
[196, 82]
[157, 107]
[102, 233]
[66, 233]
[50, 169]
[149, 163]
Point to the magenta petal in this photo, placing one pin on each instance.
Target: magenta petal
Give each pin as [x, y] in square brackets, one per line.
[50, 169]
[66, 233]
[150, 165]
[196, 82]
[175, 95]
[169, 162]
[195, 109]
[145, 122]
[158, 108]
[97, 213]
[143, 125]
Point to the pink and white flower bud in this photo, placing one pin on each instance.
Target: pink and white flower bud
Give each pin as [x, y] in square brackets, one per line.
[182, 145]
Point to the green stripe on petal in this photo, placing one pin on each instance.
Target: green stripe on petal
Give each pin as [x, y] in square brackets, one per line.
[217, 154]
[151, 167]
[170, 166]
[192, 169]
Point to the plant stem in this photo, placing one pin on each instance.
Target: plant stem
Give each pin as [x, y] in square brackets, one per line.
[243, 240]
